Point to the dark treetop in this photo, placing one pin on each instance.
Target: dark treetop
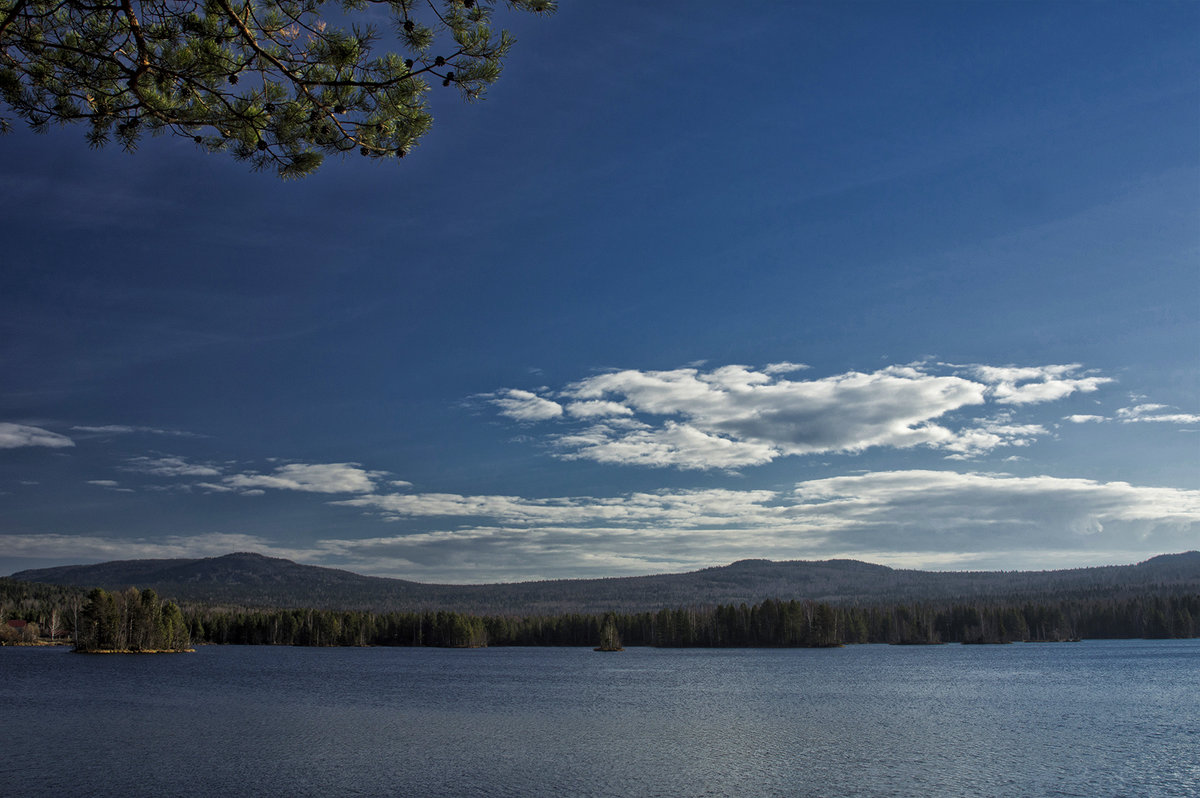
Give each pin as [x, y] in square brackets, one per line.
[279, 83]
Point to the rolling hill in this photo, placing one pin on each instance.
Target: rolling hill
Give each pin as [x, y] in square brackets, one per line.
[253, 580]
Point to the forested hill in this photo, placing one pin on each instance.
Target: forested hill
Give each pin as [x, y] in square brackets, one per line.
[252, 580]
[242, 578]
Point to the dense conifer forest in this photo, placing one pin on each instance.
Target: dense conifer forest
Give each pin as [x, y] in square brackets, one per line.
[139, 620]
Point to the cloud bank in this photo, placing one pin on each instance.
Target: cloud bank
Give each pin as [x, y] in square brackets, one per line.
[912, 518]
[909, 518]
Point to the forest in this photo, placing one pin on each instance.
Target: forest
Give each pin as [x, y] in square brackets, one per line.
[139, 620]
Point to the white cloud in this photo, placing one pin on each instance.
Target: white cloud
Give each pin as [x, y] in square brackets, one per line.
[170, 466]
[526, 406]
[738, 416]
[966, 500]
[1155, 413]
[674, 444]
[596, 408]
[1141, 414]
[126, 429]
[991, 434]
[110, 484]
[212, 487]
[13, 436]
[311, 478]
[1027, 385]
[784, 368]
[303, 477]
[705, 507]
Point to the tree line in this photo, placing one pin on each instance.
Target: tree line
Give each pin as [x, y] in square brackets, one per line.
[770, 623]
[139, 620]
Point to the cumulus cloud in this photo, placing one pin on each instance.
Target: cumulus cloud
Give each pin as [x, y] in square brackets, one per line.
[310, 478]
[1082, 418]
[13, 436]
[596, 408]
[784, 368]
[1032, 384]
[673, 444]
[991, 434]
[526, 406]
[736, 416]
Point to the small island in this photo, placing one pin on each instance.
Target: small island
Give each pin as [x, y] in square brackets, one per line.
[131, 622]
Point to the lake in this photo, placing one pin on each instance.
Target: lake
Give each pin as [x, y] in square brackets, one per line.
[1097, 718]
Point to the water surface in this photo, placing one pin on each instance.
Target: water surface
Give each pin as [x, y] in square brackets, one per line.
[1098, 718]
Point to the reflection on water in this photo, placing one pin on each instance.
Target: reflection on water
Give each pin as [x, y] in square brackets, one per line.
[1089, 719]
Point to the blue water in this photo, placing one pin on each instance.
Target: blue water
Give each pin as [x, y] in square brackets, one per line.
[1098, 718]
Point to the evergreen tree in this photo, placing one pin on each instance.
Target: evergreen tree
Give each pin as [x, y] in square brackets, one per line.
[100, 621]
[280, 83]
[610, 640]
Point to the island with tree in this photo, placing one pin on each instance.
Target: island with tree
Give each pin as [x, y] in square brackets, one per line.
[130, 622]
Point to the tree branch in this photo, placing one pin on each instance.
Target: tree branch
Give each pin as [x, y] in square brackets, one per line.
[8, 19]
[142, 48]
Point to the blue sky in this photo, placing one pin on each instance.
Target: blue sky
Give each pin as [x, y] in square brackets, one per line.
[914, 283]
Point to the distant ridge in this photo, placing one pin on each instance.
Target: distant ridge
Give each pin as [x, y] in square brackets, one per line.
[254, 580]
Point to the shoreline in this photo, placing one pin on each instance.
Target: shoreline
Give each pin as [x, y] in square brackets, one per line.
[134, 651]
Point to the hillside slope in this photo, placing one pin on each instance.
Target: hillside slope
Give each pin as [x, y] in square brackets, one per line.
[253, 580]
